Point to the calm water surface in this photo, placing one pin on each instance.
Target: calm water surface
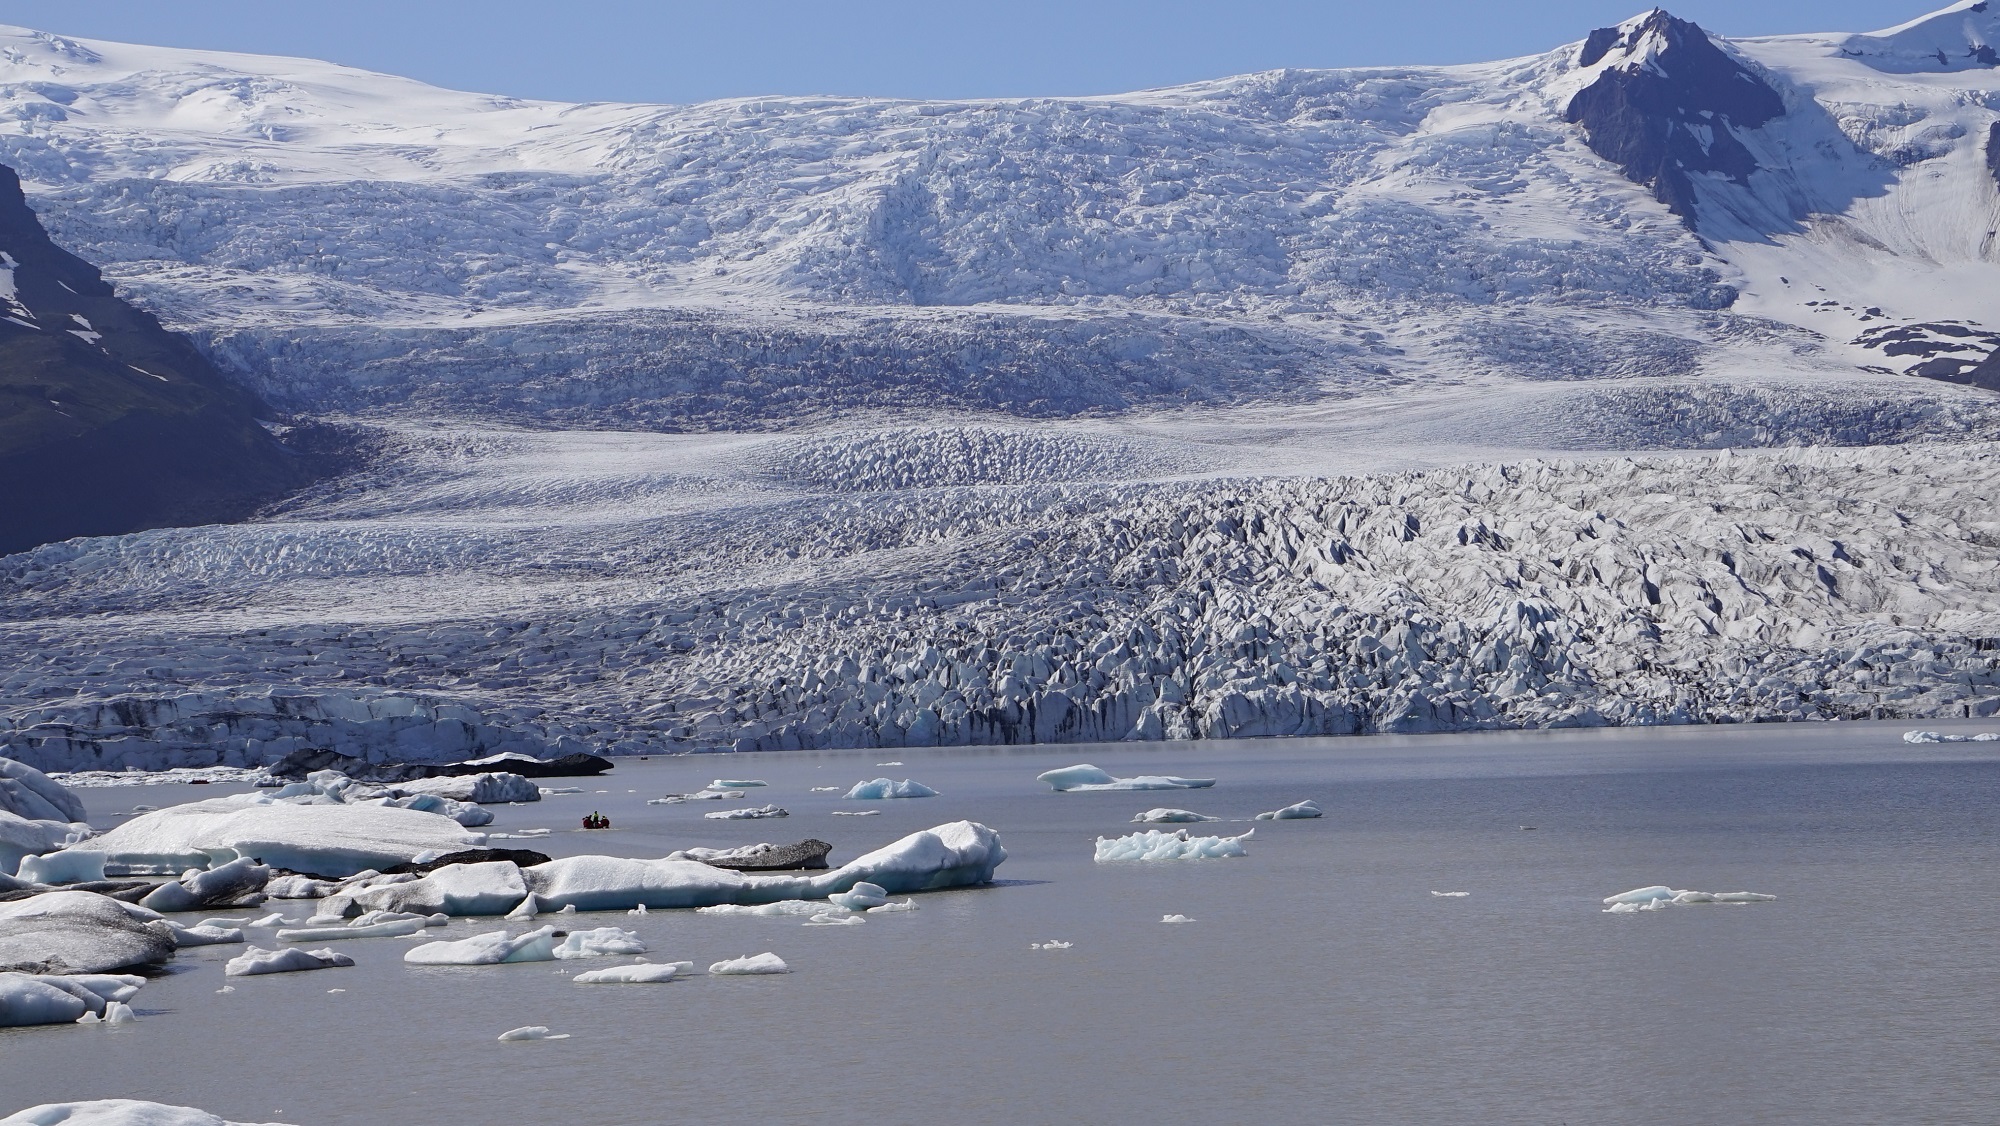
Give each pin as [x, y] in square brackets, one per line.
[1321, 980]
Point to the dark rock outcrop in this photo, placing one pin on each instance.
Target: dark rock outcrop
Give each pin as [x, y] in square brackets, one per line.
[519, 857]
[1669, 108]
[296, 766]
[577, 765]
[1993, 151]
[108, 422]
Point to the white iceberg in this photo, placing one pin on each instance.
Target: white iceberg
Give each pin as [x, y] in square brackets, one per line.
[238, 883]
[22, 839]
[1170, 817]
[318, 840]
[490, 949]
[781, 907]
[603, 942]
[857, 813]
[28, 1000]
[1083, 778]
[29, 794]
[643, 973]
[68, 866]
[1941, 737]
[882, 788]
[860, 897]
[80, 932]
[1451, 894]
[898, 907]
[493, 887]
[955, 855]
[531, 1032]
[398, 928]
[834, 919]
[480, 789]
[823, 790]
[1302, 810]
[1175, 919]
[117, 1112]
[1155, 845]
[734, 784]
[1660, 896]
[765, 963]
[257, 960]
[204, 935]
[747, 814]
[1052, 944]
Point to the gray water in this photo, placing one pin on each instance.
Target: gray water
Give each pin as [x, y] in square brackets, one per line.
[1320, 981]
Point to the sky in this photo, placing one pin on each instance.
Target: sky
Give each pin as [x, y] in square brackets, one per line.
[674, 51]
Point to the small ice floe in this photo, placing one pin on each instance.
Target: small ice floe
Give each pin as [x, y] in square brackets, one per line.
[830, 919]
[204, 935]
[765, 963]
[68, 866]
[894, 908]
[118, 1012]
[28, 999]
[716, 795]
[639, 910]
[1660, 896]
[489, 949]
[736, 784]
[1155, 845]
[781, 907]
[670, 799]
[1052, 944]
[227, 989]
[823, 790]
[1943, 737]
[531, 1032]
[558, 791]
[898, 762]
[644, 973]
[1451, 894]
[523, 835]
[394, 928]
[857, 813]
[883, 788]
[336, 991]
[1301, 811]
[1175, 919]
[1083, 778]
[1170, 817]
[860, 897]
[292, 960]
[748, 813]
[274, 919]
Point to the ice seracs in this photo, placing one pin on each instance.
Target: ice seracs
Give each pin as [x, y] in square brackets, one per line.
[1155, 845]
[881, 788]
[1084, 778]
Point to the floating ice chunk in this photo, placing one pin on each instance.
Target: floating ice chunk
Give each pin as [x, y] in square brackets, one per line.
[1297, 812]
[482, 789]
[1169, 817]
[299, 887]
[882, 788]
[257, 960]
[117, 1112]
[782, 907]
[29, 794]
[645, 973]
[21, 839]
[1084, 777]
[823, 790]
[491, 887]
[639, 910]
[716, 795]
[526, 834]
[531, 1032]
[558, 791]
[70, 932]
[26, 1000]
[491, 949]
[204, 935]
[118, 1012]
[765, 963]
[1659, 896]
[735, 784]
[747, 814]
[602, 942]
[1175, 919]
[1451, 894]
[894, 908]
[69, 866]
[399, 928]
[898, 762]
[830, 919]
[95, 991]
[239, 882]
[860, 897]
[319, 840]
[274, 919]
[1155, 845]
[670, 799]
[1052, 944]
[857, 813]
[1941, 737]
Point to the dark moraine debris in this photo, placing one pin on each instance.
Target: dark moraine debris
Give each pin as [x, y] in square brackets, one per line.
[1667, 107]
[776, 858]
[519, 857]
[568, 766]
[1993, 151]
[296, 766]
[71, 932]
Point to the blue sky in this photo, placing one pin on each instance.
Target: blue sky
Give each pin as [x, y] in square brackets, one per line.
[671, 51]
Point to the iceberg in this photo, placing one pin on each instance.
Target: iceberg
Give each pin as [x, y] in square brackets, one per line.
[26, 1000]
[204, 935]
[1941, 737]
[68, 866]
[531, 1032]
[80, 932]
[860, 897]
[1155, 845]
[602, 942]
[396, 928]
[900, 907]
[1297, 812]
[1169, 817]
[955, 855]
[644, 973]
[29, 794]
[747, 814]
[492, 887]
[239, 883]
[857, 813]
[781, 907]
[480, 789]
[1660, 896]
[21, 838]
[256, 961]
[834, 919]
[1052, 944]
[491, 949]
[334, 840]
[1084, 777]
[1175, 919]
[882, 788]
[765, 963]
[1451, 894]
[734, 784]
[118, 1112]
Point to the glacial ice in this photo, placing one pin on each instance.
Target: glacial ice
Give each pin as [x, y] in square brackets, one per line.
[531, 1032]
[67, 866]
[1084, 777]
[204, 935]
[860, 897]
[1660, 896]
[857, 813]
[882, 788]
[317, 840]
[490, 949]
[765, 963]
[1941, 737]
[31, 795]
[492, 887]
[834, 919]
[236, 883]
[1169, 817]
[1301, 810]
[21, 838]
[1155, 845]
[728, 784]
[1175, 919]
[117, 1112]
[897, 907]
[781, 907]
[257, 960]
[1451, 894]
[26, 1000]
[1052, 944]
[480, 789]
[400, 928]
[747, 814]
[601, 942]
[80, 932]
[644, 973]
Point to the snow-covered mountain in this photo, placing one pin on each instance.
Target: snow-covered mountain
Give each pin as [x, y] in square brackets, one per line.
[799, 422]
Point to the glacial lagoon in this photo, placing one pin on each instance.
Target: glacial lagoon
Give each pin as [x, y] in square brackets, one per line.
[1319, 978]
